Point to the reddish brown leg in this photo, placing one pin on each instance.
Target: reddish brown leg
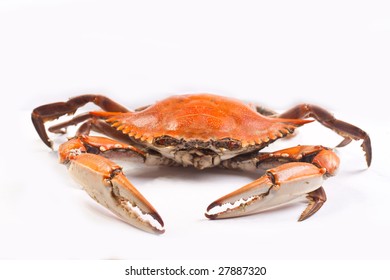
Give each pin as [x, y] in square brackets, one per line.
[92, 122]
[347, 130]
[61, 127]
[53, 111]
[316, 199]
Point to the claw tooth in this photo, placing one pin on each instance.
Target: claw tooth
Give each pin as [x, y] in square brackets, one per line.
[134, 203]
[239, 206]
[213, 205]
[153, 219]
[238, 200]
[106, 184]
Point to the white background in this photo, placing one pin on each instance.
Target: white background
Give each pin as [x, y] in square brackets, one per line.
[276, 53]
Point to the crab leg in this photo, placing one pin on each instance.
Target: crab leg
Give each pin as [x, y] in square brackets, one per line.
[284, 183]
[319, 155]
[91, 121]
[316, 199]
[105, 182]
[347, 130]
[53, 111]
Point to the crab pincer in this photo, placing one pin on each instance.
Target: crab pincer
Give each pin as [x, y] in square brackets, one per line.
[297, 173]
[105, 182]
[279, 186]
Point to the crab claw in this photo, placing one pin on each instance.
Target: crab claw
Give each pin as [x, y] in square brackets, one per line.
[104, 181]
[279, 186]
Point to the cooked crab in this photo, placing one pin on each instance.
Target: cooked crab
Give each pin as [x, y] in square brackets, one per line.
[199, 130]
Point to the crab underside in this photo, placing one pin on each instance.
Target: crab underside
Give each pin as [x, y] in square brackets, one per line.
[199, 130]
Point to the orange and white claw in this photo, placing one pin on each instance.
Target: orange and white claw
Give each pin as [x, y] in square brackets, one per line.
[280, 185]
[104, 181]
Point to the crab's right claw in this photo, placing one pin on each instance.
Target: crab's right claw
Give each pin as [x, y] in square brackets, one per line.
[279, 186]
[104, 181]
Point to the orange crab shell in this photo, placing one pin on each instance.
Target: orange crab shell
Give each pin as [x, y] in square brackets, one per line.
[202, 117]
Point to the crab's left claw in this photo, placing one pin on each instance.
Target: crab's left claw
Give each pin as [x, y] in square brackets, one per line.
[279, 186]
[104, 181]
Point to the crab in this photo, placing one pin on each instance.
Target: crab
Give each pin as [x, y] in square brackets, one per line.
[202, 131]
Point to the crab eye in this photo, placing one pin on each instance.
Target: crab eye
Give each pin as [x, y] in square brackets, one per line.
[166, 141]
[228, 143]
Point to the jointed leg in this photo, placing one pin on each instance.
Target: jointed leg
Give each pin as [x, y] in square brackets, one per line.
[316, 199]
[91, 121]
[347, 130]
[318, 155]
[53, 111]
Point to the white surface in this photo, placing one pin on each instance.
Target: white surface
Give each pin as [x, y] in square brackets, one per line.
[334, 54]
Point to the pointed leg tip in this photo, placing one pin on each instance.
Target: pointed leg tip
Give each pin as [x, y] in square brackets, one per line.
[302, 218]
[368, 162]
[49, 143]
[311, 212]
[345, 142]
[366, 145]
[368, 156]
[316, 200]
